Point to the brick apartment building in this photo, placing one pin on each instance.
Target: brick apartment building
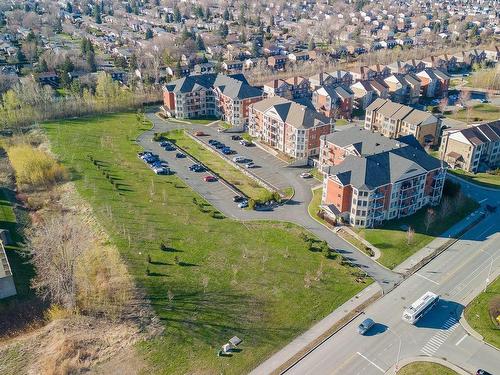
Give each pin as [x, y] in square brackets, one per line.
[396, 120]
[289, 127]
[369, 178]
[473, 149]
[291, 88]
[225, 96]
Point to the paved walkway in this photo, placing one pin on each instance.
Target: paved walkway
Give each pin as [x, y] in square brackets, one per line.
[303, 341]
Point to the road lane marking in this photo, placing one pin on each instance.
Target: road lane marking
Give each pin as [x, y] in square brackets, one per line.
[438, 339]
[462, 339]
[374, 364]
[426, 278]
[487, 229]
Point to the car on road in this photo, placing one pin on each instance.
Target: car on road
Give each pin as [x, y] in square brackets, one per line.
[305, 175]
[210, 178]
[365, 326]
[238, 199]
[220, 130]
[245, 143]
[243, 204]
[200, 134]
[250, 165]
[196, 168]
[236, 137]
[180, 155]
[484, 100]
[482, 372]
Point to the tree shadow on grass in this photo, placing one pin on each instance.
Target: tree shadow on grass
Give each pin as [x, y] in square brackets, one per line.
[215, 317]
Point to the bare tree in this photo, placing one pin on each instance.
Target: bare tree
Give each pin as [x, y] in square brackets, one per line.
[410, 235]
[55, 246]
[429, 219]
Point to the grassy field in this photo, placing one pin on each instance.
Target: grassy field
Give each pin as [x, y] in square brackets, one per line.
[425, 368]
[215, 277]
[478, 112]
[313, 207]
[391, 239]
[483, 179]
[220, 166]
[482, 312]
[202, 121]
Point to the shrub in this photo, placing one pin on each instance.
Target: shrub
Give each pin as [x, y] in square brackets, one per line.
[34, 167]
[251, 204]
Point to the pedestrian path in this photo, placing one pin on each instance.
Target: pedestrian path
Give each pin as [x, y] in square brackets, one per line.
[439, 338]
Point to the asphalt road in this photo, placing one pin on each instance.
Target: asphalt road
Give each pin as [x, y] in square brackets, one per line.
[275, 172]
[457, 275]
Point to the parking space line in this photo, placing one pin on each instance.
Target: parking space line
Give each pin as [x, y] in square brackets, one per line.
[374, 364]
[462, 339]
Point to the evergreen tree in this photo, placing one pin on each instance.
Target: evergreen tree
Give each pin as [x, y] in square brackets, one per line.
[97, 15]
[42, 66]
[224, 30]
[177, 14]
[91, 62]
[69, 7]
[200, 45]
[67, 66]
[149, 33]
[208, 15]
[255, 49]
[133, 62]
[243, 36]
[311, 45]
[226, 15]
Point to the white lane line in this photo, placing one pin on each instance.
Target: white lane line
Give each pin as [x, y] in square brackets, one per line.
[482, 200]
[374, 364]
[487, 229]
[462, 339]
[427, 351]
[426, 278]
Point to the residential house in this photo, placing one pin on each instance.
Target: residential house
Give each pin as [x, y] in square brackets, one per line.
[233, 66]
[204, 68]
[333, 101]
[365, 92]
[434, 83]
[224, 96]
[381, 71]
[362, 73]
[403, 88]
[300, 86]
[395, 120]
[289, 127]
[369, 179]
[337, 77]
[474, 149]
[277, 62]
[298, 57]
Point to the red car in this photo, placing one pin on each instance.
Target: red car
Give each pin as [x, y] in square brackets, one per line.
[199, 134]
[210, 178]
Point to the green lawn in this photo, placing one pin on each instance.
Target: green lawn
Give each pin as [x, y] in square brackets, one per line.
[202, 121]
[479, 112]
[484, 179]
[313, 207]
[425, 368]
[482, 312]
[341, 122]
[219, 165]
[391, 239]
[218, 277]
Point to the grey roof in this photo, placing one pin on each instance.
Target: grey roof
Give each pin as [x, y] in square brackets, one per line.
[292, 113]
[484, 133]
[376, 104]
[380, 169]
[364, 141]
[235, 85]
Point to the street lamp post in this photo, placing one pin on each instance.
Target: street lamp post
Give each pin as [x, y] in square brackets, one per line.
[489, 272]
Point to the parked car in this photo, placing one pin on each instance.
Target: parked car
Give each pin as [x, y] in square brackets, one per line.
[220, 130]
[180, 155]
[365, 326]
[306, 175]
[250, 165]
[210, 178]
[169, 147]
[238, 198]
[165, 144]
[482, 372]
[245, 143]
[243, 204]
[227, 151]
[200, 134]
[235, 137]
[196, 168]
[211, 142]
[239, 159]
[161, 170]
[220, 145]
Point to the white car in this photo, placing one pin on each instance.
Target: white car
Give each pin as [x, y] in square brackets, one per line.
[250, 165]
[306, 175]
[238, 159]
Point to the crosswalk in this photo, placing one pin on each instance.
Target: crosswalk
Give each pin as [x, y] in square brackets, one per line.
[439, 338]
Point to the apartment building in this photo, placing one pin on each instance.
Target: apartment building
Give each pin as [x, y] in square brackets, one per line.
[403, 88]
[291, 88]
[336, 77]
[434, 83]
[395, 120]
[369, 179]
[333, 101]
[365, 92]
[225, 96]
[289, 127]
[473, 149]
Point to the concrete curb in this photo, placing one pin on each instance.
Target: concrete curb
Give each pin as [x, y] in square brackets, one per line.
[376, 250]
[452, 175]
[407, 361]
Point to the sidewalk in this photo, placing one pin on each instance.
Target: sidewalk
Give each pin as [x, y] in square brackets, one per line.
[306, 341]
[452, 233]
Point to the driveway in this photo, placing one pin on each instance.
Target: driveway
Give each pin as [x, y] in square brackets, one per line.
[274, 171]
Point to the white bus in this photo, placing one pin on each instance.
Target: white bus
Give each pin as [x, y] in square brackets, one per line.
[420, 307]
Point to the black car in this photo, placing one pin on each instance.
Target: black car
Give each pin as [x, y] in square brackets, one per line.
[212, 142]
[220, 145]
[238, 198]
[235, 137]
[180, 155]
[483, 372]
[196, 168]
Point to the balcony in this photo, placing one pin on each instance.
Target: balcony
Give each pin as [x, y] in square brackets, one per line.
[378, 196]
[377, 205]
[439, 176]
